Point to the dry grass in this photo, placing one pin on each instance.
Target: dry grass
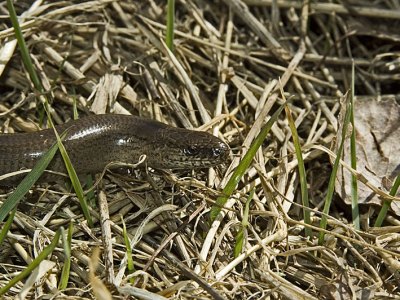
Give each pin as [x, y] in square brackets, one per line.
[228, 65]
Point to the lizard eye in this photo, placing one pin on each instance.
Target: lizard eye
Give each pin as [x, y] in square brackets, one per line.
[216, 152]
[191, 150]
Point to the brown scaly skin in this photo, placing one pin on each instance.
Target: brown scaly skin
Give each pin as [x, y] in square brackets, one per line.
[95, 141]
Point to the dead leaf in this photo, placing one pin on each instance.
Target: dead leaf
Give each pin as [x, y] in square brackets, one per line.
[377, 125]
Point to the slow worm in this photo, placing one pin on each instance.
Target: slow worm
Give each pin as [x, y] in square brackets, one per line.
[95, 141]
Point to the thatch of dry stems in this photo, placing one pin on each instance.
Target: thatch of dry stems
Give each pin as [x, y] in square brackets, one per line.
[230, 58]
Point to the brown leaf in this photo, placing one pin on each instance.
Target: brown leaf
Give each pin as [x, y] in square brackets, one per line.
[377, 125]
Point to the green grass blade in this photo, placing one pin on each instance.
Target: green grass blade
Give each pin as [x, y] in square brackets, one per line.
[7, 225]
[67, 257]
[26, 58]
[75, 181]
[243, 165]
[302, 173]
[29, 269]
[386, 204]
[239, 241]
[23, 48]
[130, 264]
[74, 178]
[169, 39]
[27, 182]
[331, 185]
[353, 156]
[245, 221]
